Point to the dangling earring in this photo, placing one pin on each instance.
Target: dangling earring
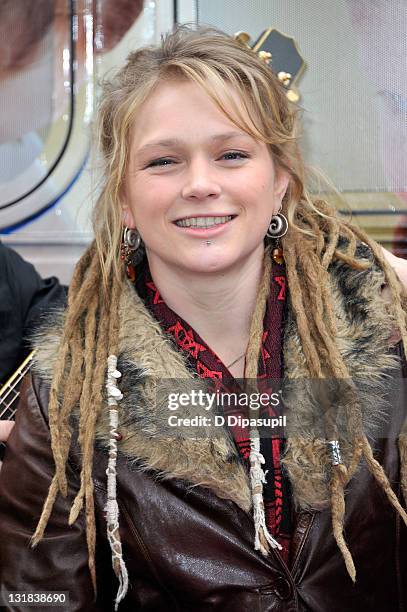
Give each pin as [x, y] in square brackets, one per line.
[130, 251]
[277, 229]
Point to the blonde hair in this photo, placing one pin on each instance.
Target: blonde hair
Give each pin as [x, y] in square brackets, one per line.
[219, 65]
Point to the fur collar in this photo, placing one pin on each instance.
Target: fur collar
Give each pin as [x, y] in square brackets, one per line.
[147, 357]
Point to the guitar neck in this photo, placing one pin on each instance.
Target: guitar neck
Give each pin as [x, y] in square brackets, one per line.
[9, 392]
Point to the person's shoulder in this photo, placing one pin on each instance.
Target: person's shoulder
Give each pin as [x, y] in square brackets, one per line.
[45, 341]
[14, 263]
[362, 297]
[19, 280]
[398, 264]
[357, 273]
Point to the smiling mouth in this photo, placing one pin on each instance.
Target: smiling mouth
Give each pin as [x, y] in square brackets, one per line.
[204, 222]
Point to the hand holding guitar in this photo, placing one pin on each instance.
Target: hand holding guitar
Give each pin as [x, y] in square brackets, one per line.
[5, 430]
[9, 394]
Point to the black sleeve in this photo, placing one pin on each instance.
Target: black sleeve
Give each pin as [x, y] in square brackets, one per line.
[24, 296]
[49, 295]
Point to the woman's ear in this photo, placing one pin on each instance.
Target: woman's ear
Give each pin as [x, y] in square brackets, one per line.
[127, 217]
[281, 180]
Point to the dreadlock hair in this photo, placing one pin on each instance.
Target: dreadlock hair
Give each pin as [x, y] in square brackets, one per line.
[219, 65]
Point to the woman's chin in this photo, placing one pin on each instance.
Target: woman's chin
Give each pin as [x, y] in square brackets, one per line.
[211, 263]
[208, 259]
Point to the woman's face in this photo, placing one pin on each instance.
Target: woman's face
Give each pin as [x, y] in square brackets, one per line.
[194, 178]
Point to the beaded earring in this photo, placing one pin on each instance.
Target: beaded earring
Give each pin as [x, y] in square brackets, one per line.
[277, 229]
[130, 251]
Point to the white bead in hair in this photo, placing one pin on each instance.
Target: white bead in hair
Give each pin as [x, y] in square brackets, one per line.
[257, 479]
[335, 450]
[112, 509]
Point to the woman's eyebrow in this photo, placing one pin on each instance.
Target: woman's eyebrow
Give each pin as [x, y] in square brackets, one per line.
[171, 142]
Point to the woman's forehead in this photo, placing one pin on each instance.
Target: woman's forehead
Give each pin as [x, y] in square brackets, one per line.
[176, 108]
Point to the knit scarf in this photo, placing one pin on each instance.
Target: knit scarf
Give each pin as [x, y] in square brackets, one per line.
[207, 364]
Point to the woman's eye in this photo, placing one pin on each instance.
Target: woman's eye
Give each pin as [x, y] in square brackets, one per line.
[234, 155]
[162, 161]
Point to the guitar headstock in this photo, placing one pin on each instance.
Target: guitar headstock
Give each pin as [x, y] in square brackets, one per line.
[281, 53]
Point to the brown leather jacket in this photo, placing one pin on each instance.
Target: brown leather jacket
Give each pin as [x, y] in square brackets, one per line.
[188, 535]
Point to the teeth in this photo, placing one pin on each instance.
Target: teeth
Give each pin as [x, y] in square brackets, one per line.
[203, 221]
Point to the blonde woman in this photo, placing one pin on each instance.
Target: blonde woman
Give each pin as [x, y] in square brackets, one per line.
[195, 276]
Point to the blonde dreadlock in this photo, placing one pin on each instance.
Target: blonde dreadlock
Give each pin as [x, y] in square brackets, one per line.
[313, 311]
[217, 64]
[90, 335]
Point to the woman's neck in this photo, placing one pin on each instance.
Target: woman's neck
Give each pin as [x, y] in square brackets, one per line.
[218, 307]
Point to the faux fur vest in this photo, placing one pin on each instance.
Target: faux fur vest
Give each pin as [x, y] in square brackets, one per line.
[147, 357]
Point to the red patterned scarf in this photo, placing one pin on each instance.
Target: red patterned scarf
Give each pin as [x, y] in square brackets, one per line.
[207, 364]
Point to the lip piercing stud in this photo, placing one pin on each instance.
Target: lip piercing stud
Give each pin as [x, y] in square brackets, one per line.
[208, 242]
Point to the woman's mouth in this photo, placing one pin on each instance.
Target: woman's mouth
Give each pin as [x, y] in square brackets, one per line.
[204, 223]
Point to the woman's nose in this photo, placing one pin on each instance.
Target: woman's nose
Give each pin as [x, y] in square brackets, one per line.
[200, 181]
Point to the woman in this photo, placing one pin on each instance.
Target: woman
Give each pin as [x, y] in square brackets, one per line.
[203, 166]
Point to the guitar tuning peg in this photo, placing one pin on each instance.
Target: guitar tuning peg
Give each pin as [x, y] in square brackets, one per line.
[243, 38]
[284, 78]
[293, 95]
[265, 56]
